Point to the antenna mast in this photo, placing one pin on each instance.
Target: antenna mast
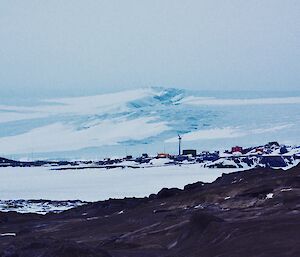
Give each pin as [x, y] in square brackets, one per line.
[179, 144]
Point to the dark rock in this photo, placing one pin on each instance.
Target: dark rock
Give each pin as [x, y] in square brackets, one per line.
[273, 161]
[201, 220]
[168, 192]
[198, 185]
[283, 150]
[71, 249]
[10, 251]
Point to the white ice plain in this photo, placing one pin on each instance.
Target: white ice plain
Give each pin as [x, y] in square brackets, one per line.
[98, 184]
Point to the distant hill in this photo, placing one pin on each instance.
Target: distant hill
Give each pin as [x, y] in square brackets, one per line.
[146, 120]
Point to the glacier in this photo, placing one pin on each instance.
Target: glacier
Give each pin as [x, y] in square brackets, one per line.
[146, 120]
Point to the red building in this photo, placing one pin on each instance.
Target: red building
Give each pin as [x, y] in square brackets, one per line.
[235, 149]
[162, 155]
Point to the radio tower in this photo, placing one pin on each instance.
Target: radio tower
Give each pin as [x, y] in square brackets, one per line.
[179, 144]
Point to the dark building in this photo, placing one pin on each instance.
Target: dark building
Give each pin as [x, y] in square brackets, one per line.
[189, 152]
[207, 156]
[273, 144]
[145, 155]
[180, 158]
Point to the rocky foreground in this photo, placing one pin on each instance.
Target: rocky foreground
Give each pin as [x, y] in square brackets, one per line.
[249, 213]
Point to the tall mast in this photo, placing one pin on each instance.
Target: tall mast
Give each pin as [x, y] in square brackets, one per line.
[179, 144]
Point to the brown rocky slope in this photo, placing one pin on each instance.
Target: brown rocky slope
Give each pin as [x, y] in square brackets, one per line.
[250, 213]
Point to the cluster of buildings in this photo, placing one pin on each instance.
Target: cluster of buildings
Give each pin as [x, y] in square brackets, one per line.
[272, 153]
[269, 148]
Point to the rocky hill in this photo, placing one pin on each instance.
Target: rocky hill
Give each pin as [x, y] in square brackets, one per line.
[247, 213]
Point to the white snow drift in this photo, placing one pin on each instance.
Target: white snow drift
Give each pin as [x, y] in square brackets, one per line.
[61, 137]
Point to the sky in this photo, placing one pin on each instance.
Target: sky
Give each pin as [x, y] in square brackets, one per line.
[69, 48]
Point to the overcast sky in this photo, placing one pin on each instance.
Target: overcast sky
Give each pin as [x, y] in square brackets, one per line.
[63, 47]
